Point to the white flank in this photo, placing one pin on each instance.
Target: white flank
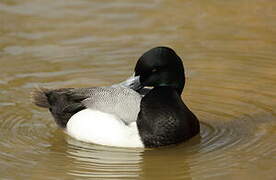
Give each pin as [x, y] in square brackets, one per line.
[101, 128]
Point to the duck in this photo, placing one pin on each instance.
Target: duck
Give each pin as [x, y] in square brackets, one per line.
[144, 111]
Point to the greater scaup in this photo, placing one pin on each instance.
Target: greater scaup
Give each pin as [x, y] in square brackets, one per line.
[126, 114]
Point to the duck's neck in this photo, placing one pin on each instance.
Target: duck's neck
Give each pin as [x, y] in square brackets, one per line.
[179, 90]
[177, 87]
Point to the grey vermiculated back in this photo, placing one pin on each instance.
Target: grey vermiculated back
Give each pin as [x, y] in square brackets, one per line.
[118, 100]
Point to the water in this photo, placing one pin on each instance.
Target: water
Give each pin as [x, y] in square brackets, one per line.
[228, 48]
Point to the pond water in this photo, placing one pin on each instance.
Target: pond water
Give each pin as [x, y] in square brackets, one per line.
[229, 52]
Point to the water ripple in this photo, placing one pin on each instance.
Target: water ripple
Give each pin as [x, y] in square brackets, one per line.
[228, 51]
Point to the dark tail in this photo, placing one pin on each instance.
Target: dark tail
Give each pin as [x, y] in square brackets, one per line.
[39, 97]
[62, 103]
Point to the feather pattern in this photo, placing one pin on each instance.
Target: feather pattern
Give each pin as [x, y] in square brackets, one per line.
[64, 103]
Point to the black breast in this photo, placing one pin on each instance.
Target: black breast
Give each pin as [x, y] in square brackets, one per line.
[164, 119]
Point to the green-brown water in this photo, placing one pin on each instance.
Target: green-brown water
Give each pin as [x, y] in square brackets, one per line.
[229, 52]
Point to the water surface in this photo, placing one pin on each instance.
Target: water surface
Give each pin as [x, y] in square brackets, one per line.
[228, 48]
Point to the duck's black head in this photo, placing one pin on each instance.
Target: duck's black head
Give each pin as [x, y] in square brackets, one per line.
[161, 66]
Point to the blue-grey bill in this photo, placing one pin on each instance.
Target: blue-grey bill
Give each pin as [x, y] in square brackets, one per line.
[132, 82]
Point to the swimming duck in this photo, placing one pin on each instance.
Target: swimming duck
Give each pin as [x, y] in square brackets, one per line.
[128, 114]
